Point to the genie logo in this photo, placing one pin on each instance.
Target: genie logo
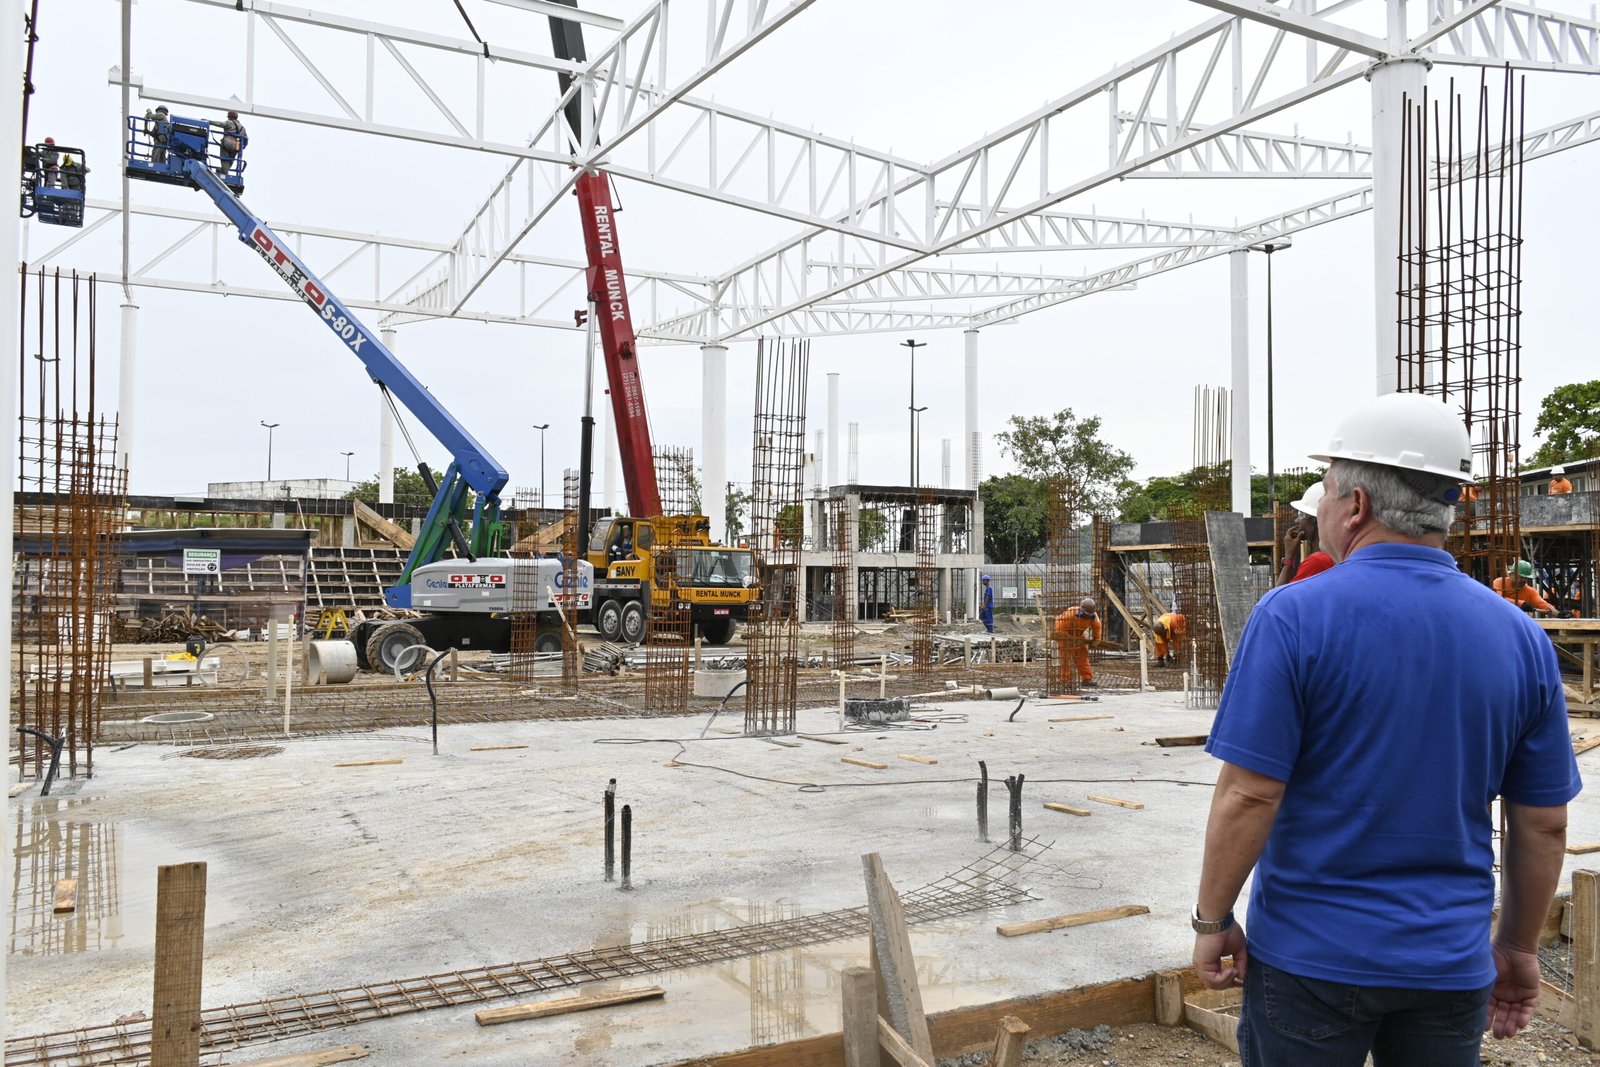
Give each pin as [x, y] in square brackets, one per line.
[476, 581]
[561, 581]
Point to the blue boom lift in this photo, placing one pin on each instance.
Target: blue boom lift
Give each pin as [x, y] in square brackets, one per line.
[191, 154]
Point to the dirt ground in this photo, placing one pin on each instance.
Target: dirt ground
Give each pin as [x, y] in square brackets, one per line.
[1148, 1045]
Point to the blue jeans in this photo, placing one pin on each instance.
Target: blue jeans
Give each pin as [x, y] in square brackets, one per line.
[1289, 1021]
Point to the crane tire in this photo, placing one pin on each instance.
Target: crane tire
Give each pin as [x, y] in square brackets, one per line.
[387, 642]
[717, 631]
[608, 620]
[632, 622]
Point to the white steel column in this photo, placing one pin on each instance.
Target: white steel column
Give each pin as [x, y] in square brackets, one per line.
[974, 446]
[1392, 81]
[944, 463]
[1239, 332]
[10, 237]
[853, 474]
[714, 436]
[386, 434]
[127, 374]
[833, 429]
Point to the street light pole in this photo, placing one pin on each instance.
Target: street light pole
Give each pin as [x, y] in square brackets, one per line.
[1270, 247]
[270, 427]
[541, 430]
[347, 456]
[913, 345]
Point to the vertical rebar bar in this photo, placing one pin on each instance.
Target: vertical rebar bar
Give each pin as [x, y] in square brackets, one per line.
[1014, 786]
[611, 829]
[627, 846]
[983, 801]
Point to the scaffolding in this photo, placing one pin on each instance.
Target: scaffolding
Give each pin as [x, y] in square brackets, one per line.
[67, 526]
[668, 629]
[842, 526]
[1460, 287]
[1194, 591]
[925, 606]
[777, 525]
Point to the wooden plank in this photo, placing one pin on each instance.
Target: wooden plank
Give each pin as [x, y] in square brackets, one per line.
[66, 895]
[1145, 591]
[1009, 1040]
[823, 740]
[1583, 850]
[319, 1058]
[898, 1048]
[1131, 805]
[1180, 742]
[928, 760]
[1586, 956]
[859, 762]
[370, 763]
[390, 531]
[494, 748]
[1061, 922]
[541, 1009]
[1219, 1027]
[1557, 1005]
[1580, 747]
[897, 967]
[859, 990]
[179, 955]
[1169, 998]
[1082, 718]
[1122, 609]
[1067, 808]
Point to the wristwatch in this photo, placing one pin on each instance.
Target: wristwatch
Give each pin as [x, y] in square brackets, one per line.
[1209, 926]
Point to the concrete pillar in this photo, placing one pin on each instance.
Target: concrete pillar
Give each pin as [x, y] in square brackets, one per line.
[386, 433]
[1392, 81]
[944, 463]
[833, 429]
[853, 474]
[944, 593]
[127, 375]
[1239, 332]
[714, 436]
[974, 446]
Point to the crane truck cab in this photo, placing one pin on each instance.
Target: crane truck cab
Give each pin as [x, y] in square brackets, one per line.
[634, 561]
[472, 604]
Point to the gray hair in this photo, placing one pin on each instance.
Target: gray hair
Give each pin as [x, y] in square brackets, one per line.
[1396, 504]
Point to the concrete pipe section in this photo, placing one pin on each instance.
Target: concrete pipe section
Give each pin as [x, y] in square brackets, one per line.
[331, 662]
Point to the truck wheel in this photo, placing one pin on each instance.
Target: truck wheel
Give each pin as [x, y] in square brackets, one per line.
[608, 620]
[549, 641]
[633, 622]
[717, 631]
[388, 642]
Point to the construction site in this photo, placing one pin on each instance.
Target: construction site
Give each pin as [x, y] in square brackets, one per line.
[736, 736]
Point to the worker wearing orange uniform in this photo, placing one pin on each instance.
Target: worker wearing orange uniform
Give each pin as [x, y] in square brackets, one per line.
[1170, 631]
[1559, 484]
[1076, 628]
[1518, 588]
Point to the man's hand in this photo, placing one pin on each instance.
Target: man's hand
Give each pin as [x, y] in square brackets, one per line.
[1515, 995]
[1209, 950]
[1292, 540]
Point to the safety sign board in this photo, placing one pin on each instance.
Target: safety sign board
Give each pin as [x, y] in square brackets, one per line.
[202, 560]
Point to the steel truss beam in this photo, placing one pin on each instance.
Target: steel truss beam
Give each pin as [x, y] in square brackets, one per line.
[1248, 154]
[1494, 34]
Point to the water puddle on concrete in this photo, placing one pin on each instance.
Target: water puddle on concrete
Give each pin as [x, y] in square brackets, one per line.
[792, 993]
[56, 838]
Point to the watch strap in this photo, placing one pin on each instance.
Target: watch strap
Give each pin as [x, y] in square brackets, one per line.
[1209, 926]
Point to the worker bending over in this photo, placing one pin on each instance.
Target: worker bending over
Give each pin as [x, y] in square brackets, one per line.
[1518, 587]
[1170, 630]
[1076, 628]
[1303, 531]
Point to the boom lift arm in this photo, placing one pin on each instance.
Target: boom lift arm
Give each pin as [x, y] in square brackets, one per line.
[186, 157]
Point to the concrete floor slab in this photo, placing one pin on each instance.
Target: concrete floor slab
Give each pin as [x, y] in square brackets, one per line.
[323, 877]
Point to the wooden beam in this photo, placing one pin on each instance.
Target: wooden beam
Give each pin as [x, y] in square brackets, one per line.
[66, 895]
[859, 762]
[320, 1058]
[1082, 718]
[1586, 956]
[1131, 805]
[399, 535]
[1557, 1005]
[1169, 999]
[494, 748]
[370, 763]
[1061, 922]
[928, 760]
[1201, 1012]
[859, 990]
[1580, 747]
[1122, 609]
[1584, 849]
[1066, 808]
[1009, 1040]
[897, 967]
[898, 1048]
[541, 1009]
[179, 955]
[824, 740]
[1180, 742]
[1144, 588]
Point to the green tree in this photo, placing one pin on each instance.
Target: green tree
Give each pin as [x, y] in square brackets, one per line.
[871, 526]
[791, 523]
[1016, 513]
[1569, 421]
[1069, 449]
[736, 503]
[409, 488]
[1169, 496]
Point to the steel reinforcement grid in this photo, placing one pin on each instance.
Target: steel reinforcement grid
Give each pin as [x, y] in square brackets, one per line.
[988, 882]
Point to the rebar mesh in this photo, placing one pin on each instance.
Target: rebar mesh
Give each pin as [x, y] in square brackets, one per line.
[1194, 586]
[571, 650]
[842, 526]
[526, 600]
[1062, 587]
[668, 626]
[1460, 287]
[67, 525]
[989, 882]
[925, 606]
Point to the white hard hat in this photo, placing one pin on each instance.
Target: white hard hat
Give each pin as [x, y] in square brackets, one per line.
[1307, 505]
[1558, 469]
[1411, 432]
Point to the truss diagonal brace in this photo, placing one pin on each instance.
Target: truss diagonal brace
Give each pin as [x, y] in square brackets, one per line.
[1284, 18]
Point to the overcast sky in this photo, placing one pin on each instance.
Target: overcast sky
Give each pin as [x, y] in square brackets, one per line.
[919, 77]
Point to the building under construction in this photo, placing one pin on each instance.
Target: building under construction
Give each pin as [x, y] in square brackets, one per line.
[608, 674]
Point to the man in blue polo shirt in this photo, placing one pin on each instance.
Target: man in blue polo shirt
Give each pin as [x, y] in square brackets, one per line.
[1363, 747]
